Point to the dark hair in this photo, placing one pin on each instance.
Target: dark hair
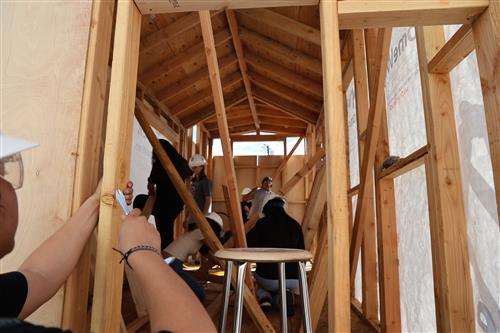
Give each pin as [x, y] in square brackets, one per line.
[218, 232]
[266, 179]
[180, 163]
[274, 211]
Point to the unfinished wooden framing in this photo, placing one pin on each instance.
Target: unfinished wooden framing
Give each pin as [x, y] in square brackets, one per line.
[257, 89]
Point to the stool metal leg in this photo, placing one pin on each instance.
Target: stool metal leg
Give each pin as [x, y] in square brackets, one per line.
[282, 282]
[227, 290]
[304, 294]
[238, 305]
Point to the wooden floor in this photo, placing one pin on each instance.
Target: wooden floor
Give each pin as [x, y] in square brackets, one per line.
[294, 322]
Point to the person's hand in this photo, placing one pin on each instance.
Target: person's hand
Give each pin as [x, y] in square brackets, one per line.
[97, 193]
[136, 230]
[128, 192]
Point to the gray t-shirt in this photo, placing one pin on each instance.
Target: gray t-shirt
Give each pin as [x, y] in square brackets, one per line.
[200, 189]
[257, 202]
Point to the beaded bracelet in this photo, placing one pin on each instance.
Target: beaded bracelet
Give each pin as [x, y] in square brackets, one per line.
[140, 247]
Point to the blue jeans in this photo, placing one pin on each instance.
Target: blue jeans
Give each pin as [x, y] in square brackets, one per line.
[268, 287]
[190, 281]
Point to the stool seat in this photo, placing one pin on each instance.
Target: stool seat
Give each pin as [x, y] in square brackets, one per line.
[263, 255]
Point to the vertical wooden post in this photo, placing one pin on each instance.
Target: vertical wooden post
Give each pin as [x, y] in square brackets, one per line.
[369, 245]
[486, 31]
[213, 69]
[339, 319]
[387, 236]
[210, 159]
[89, 154]
[452, 282]
[106, 309]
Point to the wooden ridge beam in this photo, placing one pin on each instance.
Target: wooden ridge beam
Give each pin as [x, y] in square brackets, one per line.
[284, 24]
[314, 208]
[265, 44]
[171, 91]
[162, 68]
[238, 48]
[285, 92]
[157, 122]
[279, 73]
[108, 282]
[201, 115]
[450, 258]
[205, 95]
[373, 134]
[486, 31]
[297, 177]
[286, 106]
[88, 160]
[283, 163]
[456, 49]
[334, 138]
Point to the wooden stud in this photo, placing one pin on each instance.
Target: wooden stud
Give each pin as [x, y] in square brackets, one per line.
[283, 23]
[373, 133]
[158, 122]
[314, 208]
[106, 308]
[456, 49]
[238, 48]
[283, 163]
[297, 177]
[369, 245]
[339, 317]
[452, 281]
[387, 237]
[88, 157]
[486, 31]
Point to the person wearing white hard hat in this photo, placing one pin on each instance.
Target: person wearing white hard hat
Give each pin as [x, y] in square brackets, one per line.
[276, 229]
[201, 187]
[189, 244]
[45, 270]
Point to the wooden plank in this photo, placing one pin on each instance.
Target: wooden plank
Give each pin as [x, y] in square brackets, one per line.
[283, 23]
[256, 138]
[336, 172]
[283, 163]
[456, 49]
[88, 162]
[314, 208]
[369, 245]
[356, 14]
[279, 73]
[171, 91]
[155, 6]
[162, 68]
[106, 308]
[238, 48]
[158, 122]
[297, 177]
[452, 281]
[285, 92]
[205, 95]
[261, 42]
[203, 114]
[486, 31]
[373, 133]
[286, 105]
[406, 164]
[150, 96]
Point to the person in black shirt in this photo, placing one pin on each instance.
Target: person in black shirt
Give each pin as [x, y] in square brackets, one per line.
[276, 229]
[168, 204]
[201, 188]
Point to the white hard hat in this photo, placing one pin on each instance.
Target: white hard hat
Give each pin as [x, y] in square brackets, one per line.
[246, 190]
[10, 145]
[197, 160]
[216, 218]
[270, 197]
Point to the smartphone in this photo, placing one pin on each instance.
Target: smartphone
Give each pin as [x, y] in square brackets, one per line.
[121, 200]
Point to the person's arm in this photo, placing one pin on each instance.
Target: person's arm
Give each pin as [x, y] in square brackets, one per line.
[52, 262]
[170, 302]
[250, 195]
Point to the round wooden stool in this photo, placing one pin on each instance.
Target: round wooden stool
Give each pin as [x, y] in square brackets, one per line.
[241, 256]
